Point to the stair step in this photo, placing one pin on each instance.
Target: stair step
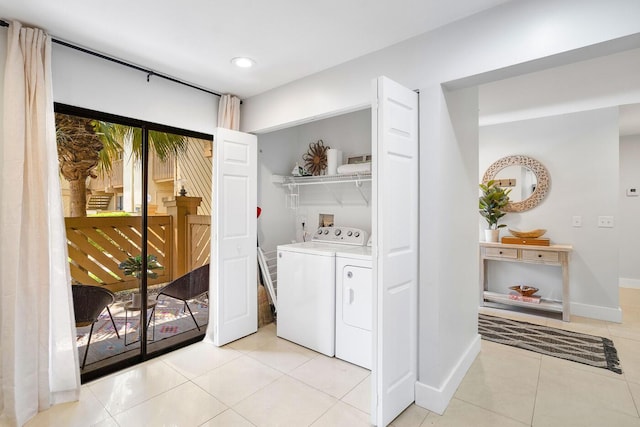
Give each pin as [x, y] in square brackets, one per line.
[99, 201]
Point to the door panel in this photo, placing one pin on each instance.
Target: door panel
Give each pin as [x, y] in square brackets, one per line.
[356, 297]
[395, 231]
[233, 249]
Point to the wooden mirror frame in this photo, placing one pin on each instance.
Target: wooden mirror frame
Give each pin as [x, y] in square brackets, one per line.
[542, 177]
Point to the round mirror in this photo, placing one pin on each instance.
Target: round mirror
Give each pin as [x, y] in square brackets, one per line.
[527, 178]
[520, 179]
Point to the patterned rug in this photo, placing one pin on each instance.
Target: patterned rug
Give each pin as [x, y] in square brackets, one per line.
[582, 348]
[171, 319]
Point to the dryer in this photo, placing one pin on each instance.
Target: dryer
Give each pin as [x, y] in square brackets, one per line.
[306, 287]
[354, 306]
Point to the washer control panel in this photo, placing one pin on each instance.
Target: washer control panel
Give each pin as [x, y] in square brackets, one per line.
[345, 235]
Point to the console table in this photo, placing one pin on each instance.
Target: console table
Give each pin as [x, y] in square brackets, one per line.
[557, 255]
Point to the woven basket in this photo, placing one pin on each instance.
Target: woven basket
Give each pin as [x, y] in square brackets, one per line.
[264, 308]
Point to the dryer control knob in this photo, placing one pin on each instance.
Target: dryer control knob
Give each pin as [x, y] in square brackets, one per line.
[319, 230]
[326, 231]
[357, 234]
[349, 233]
[338, 232]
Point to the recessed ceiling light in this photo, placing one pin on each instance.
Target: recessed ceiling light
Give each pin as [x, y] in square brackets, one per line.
[243, 62]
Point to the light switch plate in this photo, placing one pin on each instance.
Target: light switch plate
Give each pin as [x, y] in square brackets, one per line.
[576, 221]
[605, 221]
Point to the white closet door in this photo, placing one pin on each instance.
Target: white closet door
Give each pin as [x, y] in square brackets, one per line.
[233, 296]
[395, 266]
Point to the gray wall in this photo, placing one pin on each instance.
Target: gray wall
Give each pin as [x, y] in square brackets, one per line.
[580, 151]
[278, 153]
[506, 41]
[628, 223]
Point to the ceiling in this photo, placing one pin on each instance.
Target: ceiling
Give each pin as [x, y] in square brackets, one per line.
[195, 40]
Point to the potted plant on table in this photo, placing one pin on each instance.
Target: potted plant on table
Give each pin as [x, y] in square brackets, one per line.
[492, 203]
[132, 266]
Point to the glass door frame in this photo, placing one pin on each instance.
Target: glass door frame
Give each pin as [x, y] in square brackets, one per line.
[146, 127]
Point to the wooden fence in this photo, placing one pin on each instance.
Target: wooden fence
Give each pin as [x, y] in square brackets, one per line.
[97, 245]
[199, 240]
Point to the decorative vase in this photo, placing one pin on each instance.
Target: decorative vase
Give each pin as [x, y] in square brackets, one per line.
[136, 299]
[491, 235]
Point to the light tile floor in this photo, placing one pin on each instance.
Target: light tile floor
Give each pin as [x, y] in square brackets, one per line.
[262, 380]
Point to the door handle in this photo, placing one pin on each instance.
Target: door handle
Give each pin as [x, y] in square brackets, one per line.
[349, 295]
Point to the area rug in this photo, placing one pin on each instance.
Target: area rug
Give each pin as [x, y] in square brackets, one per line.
[582, 348]
[170, 319]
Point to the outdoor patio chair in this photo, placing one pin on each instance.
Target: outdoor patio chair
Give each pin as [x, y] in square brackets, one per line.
[188, 287]
[88, 303]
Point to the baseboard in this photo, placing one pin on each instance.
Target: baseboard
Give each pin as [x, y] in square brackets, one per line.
[597, 312]
[437, 399]
[623, 282]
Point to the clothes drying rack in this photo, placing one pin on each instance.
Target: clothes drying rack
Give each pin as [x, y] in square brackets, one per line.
[268, 267]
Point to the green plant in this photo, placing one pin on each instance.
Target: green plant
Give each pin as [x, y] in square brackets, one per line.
[492, 202]
[109, 214]
[132, 266]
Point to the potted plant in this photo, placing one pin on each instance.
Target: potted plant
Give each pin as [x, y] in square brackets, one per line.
[491, 203]
[132, 266]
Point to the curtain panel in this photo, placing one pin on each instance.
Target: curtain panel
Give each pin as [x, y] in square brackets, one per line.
[39, 362]
[229, 112]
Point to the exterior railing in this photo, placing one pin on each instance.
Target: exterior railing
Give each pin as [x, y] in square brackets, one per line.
[116, 173]
[163, 171]
[97, 245]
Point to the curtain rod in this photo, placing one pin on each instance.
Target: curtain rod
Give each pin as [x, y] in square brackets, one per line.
[148, 72]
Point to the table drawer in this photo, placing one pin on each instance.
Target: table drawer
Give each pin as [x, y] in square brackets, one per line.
[501, 253]
[542, 256]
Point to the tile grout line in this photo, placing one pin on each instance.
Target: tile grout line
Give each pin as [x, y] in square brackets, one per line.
[535, 395]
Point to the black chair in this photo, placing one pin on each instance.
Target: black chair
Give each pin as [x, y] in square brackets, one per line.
[88, 303]
[188, 287]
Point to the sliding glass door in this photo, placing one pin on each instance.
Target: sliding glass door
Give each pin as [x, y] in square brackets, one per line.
[137, 200]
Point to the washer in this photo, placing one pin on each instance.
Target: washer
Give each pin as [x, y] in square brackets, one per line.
[354, 306]
[306, 287]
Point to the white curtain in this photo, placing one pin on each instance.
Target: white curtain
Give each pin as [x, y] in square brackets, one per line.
[229, 112]
[39, 363]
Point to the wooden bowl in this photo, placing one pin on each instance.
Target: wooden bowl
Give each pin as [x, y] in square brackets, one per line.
[532, 234]
[524, 290]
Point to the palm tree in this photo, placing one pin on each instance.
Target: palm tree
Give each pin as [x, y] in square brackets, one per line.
[78, 153]
[113, 136]
[88, 146]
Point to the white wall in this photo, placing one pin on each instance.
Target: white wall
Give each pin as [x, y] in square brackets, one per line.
[86, 81]
[448, 294]
[278, 153]
[515, 38]
[608, 81]
[580, 151]
[628, 222]
[3, 58]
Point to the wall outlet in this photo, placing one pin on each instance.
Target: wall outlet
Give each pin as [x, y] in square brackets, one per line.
[631, 192]
[576, 221]
[605, 221]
